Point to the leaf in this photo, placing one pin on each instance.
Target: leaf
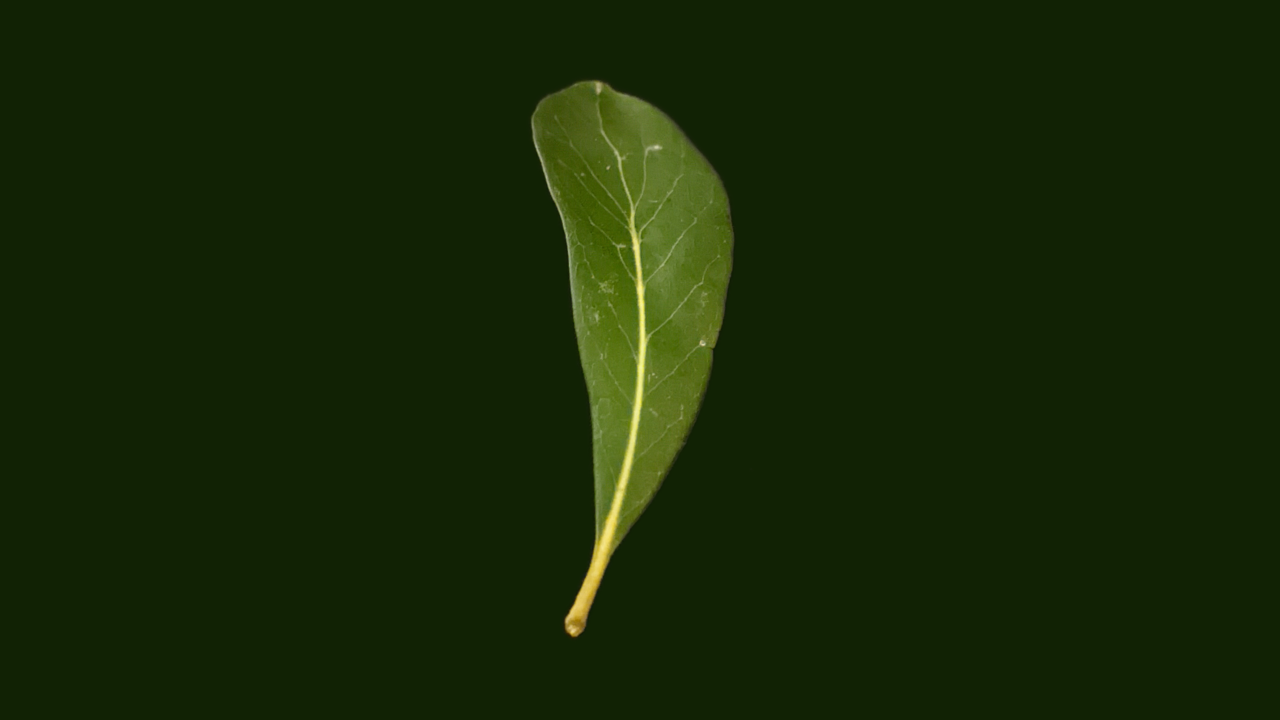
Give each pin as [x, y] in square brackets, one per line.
[650, 249]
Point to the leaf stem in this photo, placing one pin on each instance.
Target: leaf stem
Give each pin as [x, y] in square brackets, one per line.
[576, 621]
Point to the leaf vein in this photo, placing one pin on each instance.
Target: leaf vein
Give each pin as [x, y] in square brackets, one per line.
[674, 369]
[616, 247]
[666, 430]
[699, 284]
[621, 329]
[677, 242]
[588, 165]
[592, 194]
[605, 363]
[662, 204]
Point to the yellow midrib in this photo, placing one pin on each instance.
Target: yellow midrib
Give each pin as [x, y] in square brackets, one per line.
[576, 621]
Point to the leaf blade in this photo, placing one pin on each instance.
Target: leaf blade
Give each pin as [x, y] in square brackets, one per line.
[646, 220]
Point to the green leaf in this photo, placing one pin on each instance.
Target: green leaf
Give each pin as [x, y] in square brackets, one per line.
[650, 250]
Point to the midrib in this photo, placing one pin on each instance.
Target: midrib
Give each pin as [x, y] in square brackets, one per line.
[624, 476]
[576, 621]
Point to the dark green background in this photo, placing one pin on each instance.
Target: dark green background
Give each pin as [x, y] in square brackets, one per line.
[338, 370]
